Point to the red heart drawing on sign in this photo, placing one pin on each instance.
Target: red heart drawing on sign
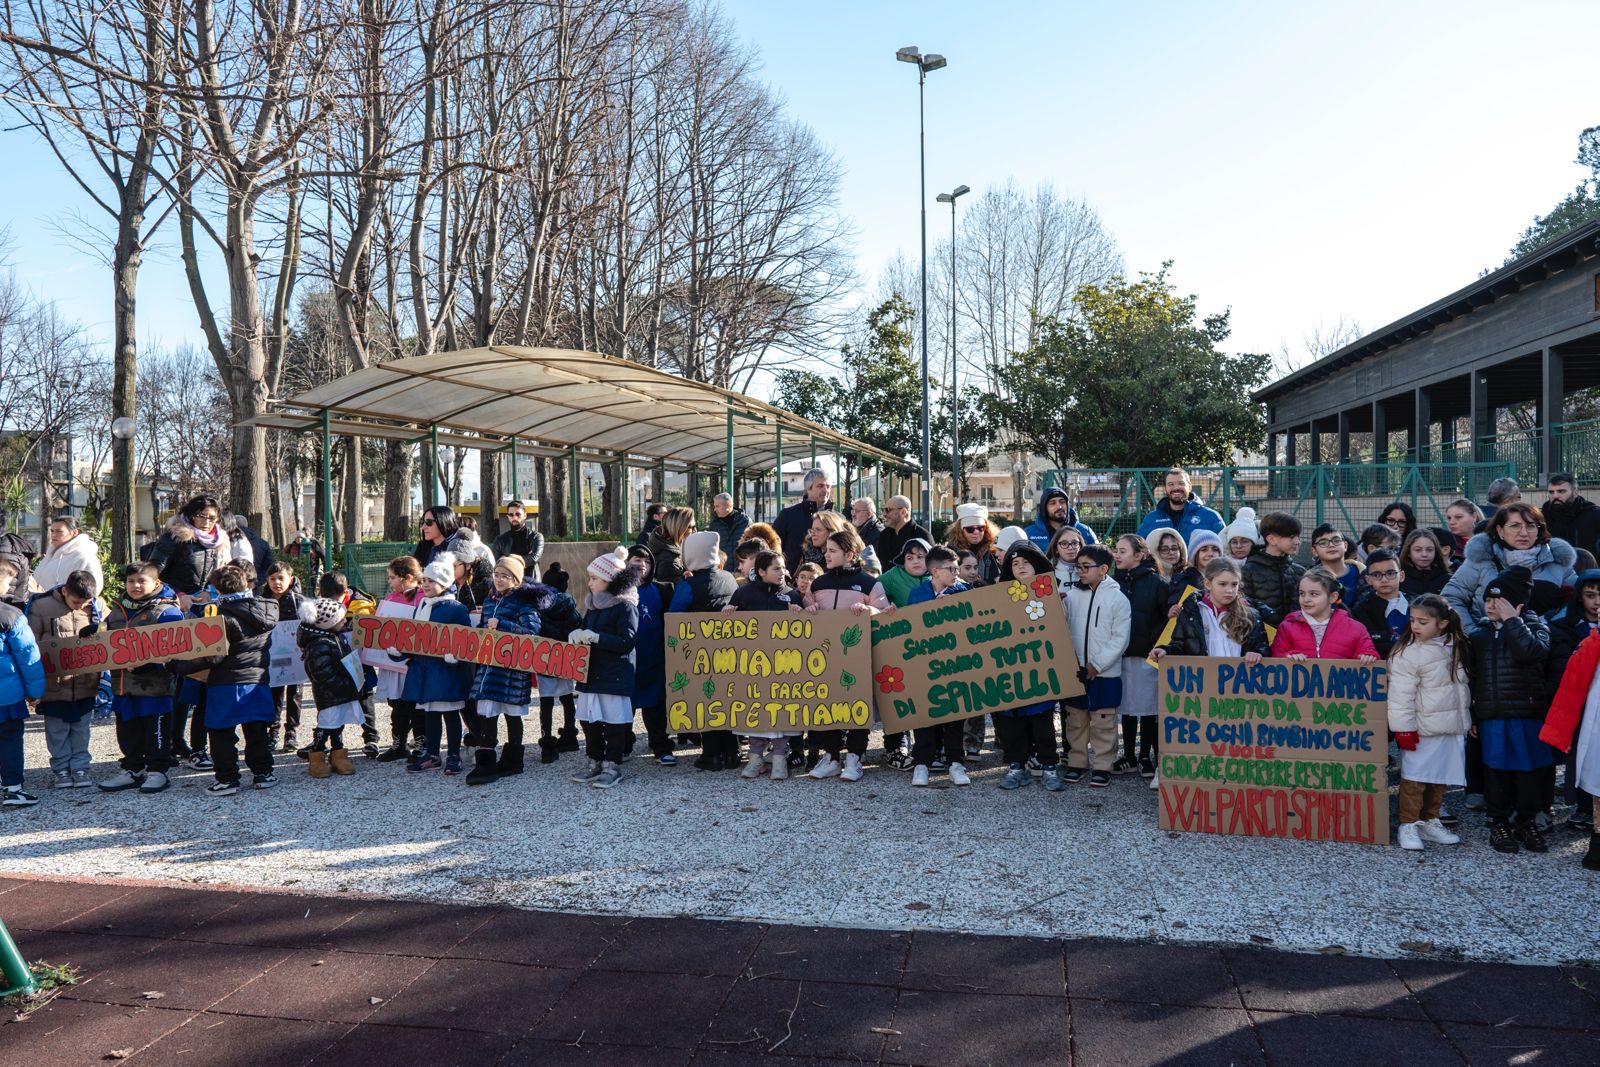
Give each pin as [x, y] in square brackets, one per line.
[209, 632]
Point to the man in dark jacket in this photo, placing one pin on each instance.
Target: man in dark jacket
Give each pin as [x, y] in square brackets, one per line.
[1570, 517]
[20, 552]
[1271, 579]
[652, 520]
[898, 531]
[1056, 511]
[521, 539]
[729, 524]
[794, 521]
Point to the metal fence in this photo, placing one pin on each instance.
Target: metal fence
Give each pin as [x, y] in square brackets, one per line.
[1350, 496]
[367, 566]
[1579, 444]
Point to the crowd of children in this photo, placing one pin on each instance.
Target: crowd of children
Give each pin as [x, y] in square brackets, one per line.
[1492, 646]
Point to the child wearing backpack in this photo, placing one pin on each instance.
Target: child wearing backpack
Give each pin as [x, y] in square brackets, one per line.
[334, 689]
[141, 698]
[605, 697]
[1430, 713]
[21, 683]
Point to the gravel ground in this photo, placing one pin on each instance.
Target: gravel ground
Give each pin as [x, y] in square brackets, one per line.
[878, 853]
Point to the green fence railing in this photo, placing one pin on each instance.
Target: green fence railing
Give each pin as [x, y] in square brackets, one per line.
[1520, 448]
[1578, 445]
[367, 566]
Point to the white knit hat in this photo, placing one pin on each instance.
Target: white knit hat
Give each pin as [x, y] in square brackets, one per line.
[700, 550]
[442, 569]
[1009, 536]
[1243, 525]
[321, 613]
[972, 515]
[611, 564]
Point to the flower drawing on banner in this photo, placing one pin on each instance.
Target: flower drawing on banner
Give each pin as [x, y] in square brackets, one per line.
[891, 680]
[1035, 610]
[1017, 591]
[1042, 585]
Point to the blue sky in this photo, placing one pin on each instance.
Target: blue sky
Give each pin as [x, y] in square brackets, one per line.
[1297, 163]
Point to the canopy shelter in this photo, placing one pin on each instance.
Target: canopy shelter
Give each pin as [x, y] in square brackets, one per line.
[551, 402]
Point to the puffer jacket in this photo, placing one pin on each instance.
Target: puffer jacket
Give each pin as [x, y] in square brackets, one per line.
[249, 621]
[1101, 620]
[1566, 710]
[515, 613]
[433, 678]
[1508, 669]
[1484, 561]
[650, 655]
[475, 593]
[323, 653]
[289, 603]
[1427, 695]
[757, 595]
[1148, 596]
[21, 669]
[704, 590]
[845, 587]
[49, 616]
[151, 680]
[186, 563]
[1344, 638]
[668, 556]
[611, 657]
[1189, 632]
[1271, 584]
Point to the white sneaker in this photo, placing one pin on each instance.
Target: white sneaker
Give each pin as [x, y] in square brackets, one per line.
[1410, 837]
[780, 767]
[154, 782]
[852, 768]
[1434, 830]
[827, 767]
[121, 780]
[752, 769]
[1155, 783]
[919, 775]
[958, 775]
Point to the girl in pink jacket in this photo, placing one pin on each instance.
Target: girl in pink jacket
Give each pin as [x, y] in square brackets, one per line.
[1322, 629]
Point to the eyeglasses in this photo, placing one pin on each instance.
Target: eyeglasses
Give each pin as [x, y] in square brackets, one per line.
[1383, 575]
[1089, 566]
[429, 522]
[1518, 527]
[1329, 542]
[1395, 524]
[1168, 546]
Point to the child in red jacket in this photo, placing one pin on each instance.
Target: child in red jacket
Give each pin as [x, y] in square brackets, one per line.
[1322, 629]
[1577, 703]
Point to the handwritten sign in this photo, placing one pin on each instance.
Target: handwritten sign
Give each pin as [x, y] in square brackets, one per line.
[517, 652]
[1001, 646]
[285, 666]
[768, 671]
[120, 650]
[1282, 749]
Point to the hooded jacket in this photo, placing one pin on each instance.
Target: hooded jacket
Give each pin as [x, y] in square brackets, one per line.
[515, 613]
[756, 595]
[323, 652]
[615, 622]
[1148, 597]
[1427, 695]
[151, 680]
[20, 553]
[1568, 630]
[1344, 638]
[1508, 669]
[49, 616]
[845, 587]
[704, 587]
[1039, 531]
[1566, 710]
[249, 621]
[185, 562]
[1101, 620]
[1271, 584]
[668, 556]
[1195, 516]
[431, 679]
[79, 553]
[1483, 560]
[21, 669]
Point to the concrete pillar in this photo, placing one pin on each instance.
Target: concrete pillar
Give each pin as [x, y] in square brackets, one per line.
[1422, 419]
[1552, 397]
[1380, 433]
[1480, 415]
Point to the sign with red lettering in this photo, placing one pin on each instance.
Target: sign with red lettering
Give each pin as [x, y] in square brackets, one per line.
[1283, 748]
[120, 650]
[517, 652]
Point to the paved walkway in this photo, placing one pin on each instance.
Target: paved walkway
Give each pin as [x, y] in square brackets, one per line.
[192, 977]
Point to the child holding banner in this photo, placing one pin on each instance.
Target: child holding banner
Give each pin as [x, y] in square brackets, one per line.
[405, 721]
[1221, 623]
[1573, 726]
[605, 698]
[21, 682]
[906, 575]
[512, 608]
[334, 687]
[438, 685]
[845, 587]
[72, 609]
[1101, 621]
[1148, 600]
[929, 741]
[1321, 628]
[142, 698]
[766, 591]
[650, 666]
[1028, 732]
[558, 617]
[236, 693]
[1430, 712]
[705, 586]
[282, 585]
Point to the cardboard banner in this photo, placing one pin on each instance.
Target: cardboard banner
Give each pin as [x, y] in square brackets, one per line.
[768, 671]
[284, 663]
[518, 652]
[118, 650]
[997, 647]
[376, 657]
[1287, 748]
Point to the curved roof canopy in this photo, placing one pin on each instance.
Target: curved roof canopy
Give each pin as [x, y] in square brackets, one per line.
[544, 399]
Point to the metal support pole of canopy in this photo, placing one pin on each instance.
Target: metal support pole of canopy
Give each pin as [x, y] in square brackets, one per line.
[576, 524]
[777, 489]
[326, 489]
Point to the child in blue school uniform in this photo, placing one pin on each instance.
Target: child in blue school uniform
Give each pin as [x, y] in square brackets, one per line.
[237, 697]
[438, 685]
[141, 698]
[605, 698]
[21, 682]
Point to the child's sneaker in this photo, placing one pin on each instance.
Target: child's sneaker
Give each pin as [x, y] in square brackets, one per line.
[17, 798]
[1052, 780]
[154, 782]
[1531, 837]
[1433, 830]
[899, 760]
[422, 761]
[667, 759]
[752, 770]
[1099, 779]
[63, 780]
[1034, 767]
[122, 780]
[1147, 767]
[1072, 775]
[81, 780]
[958, 775]
[393, 754]
[1016, 777]
[588, 773]
[290, 742]
[939, 763]
[919, 776]
[222, 789]
[1409, 838]
[370, 750]
[827, 767]
[780, 768]
[1501, 840]
[1125, 765]
[852, 768]
[200, 761]
[452, 765]
[610, 774]
[264, 781]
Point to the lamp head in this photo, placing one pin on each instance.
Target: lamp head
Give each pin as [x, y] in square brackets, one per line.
[960, 190]
[909, 54]
[932, 62]
[122, 428]
[945, 198]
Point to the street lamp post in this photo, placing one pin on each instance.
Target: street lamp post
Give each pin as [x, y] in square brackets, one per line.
[955, 401]
[925, 63]
[122, 511]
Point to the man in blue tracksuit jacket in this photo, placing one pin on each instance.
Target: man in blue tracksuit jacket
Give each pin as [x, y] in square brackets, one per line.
[1181, 510]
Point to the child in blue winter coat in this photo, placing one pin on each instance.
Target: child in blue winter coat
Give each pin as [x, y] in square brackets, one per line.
[605, 698]
[558, 617]
[512, 608]
[21, 681]
[141, 698]
[438, 685]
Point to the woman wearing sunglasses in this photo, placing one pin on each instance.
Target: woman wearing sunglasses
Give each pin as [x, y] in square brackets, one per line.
[973, 532]
[441, 532]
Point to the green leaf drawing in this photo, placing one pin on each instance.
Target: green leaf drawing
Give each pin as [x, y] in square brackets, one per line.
[851, 637]
[709, 688]
[847, 679]
[672, 642]
[680, 681]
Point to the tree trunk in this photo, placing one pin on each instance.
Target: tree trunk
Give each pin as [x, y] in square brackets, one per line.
[560, 513]
[354, 523]
[488, 495]
[397, 492]
[124, 285]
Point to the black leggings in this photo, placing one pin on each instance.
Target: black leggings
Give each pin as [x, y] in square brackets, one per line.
[655, 727]
[569, 711]
[486, 730]
[435, 723]
[928, 740]
[1140, 729]
[1023, 735]
[404, 721]
[606, 742]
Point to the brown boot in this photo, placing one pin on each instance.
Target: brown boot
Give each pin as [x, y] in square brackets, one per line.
[318, 760]
[341, 762]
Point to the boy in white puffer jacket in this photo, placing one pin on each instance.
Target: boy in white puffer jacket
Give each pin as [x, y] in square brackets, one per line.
[1430, 713]
[1101, 621]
